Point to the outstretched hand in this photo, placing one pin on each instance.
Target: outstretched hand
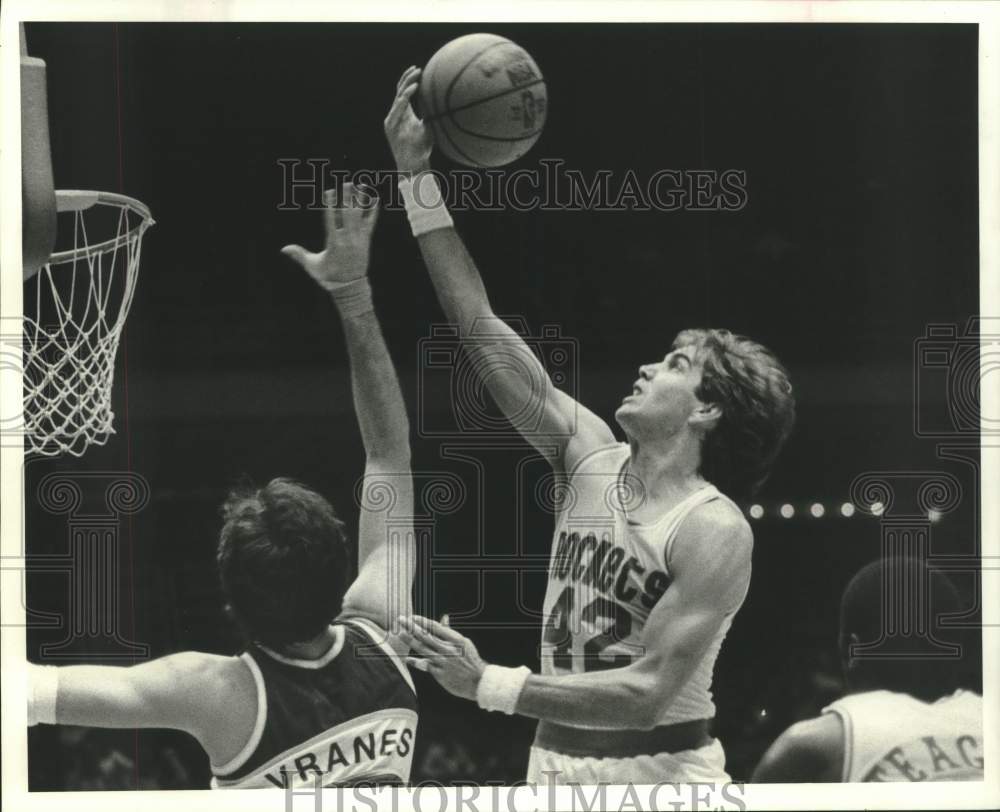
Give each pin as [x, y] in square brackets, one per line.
[451, 658]
[409, 138]
[350, 220]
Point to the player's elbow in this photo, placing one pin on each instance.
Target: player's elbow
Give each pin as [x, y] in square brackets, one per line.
[392, 460]
[643, 702]
[469, 308]
[650, 690]
[801, 753]
[475, 312]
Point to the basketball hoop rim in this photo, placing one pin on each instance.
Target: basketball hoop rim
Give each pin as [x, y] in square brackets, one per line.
[68, 200]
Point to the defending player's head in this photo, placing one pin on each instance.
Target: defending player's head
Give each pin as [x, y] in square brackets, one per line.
[864, 610]
[730, 392]
[283, 561]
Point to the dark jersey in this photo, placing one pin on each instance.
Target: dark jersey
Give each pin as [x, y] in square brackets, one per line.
[346, 718]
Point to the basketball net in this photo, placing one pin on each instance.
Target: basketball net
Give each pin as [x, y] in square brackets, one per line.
[81, 297]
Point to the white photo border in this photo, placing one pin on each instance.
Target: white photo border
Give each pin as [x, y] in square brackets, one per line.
[809, 796]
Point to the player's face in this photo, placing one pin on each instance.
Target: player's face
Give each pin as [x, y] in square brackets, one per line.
[663, 397]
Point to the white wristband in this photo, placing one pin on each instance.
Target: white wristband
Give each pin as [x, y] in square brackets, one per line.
[499, 687]
[424, 205]
[43, 684]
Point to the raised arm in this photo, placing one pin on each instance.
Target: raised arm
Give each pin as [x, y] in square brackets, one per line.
[385, 548]
[711, 565]
[545, 416]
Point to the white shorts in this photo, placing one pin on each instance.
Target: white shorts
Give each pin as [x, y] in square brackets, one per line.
[705, 765]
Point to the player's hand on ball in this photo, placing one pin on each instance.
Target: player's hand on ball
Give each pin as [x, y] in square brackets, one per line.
[350, 221]
[409, 138]
[451, 658]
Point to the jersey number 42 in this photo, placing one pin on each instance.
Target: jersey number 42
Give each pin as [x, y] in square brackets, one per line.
[557, 632]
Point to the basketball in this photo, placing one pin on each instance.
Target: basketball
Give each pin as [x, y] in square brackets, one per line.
[484, 98]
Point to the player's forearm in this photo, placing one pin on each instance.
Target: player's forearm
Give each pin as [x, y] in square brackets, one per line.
[616, 699]
[522, 390]
[456, 279]
[171, 692]
[378, 401]
[88, 695]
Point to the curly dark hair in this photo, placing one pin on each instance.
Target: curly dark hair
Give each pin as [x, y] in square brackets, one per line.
[752, 388]
[283, 561]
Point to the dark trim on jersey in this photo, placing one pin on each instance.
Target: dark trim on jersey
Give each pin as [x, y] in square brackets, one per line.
[377, 635]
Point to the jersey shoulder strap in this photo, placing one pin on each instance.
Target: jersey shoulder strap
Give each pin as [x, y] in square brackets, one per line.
[379, 637]
[243, 756]
[674, 518]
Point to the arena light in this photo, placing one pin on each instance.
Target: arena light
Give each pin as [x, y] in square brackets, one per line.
[877, 508]
[756, 511]
[934, 515]
[847, 510]
[817, 510]
[787, 511]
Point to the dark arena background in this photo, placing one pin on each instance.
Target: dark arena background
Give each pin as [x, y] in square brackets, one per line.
[858, 233]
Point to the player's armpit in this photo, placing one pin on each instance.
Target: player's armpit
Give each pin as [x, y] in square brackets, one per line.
[809, 751]
[383, 588]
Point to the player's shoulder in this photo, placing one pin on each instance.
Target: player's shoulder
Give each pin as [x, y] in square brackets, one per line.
[713, 544]
[215, 674]
[818, 734]
[718, 522]
[219, 699]
[809, 750]
[201, 692]
[187, 662]
[200, 661]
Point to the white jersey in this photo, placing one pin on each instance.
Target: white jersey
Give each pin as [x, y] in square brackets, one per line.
[606, 573]
[895, 737]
